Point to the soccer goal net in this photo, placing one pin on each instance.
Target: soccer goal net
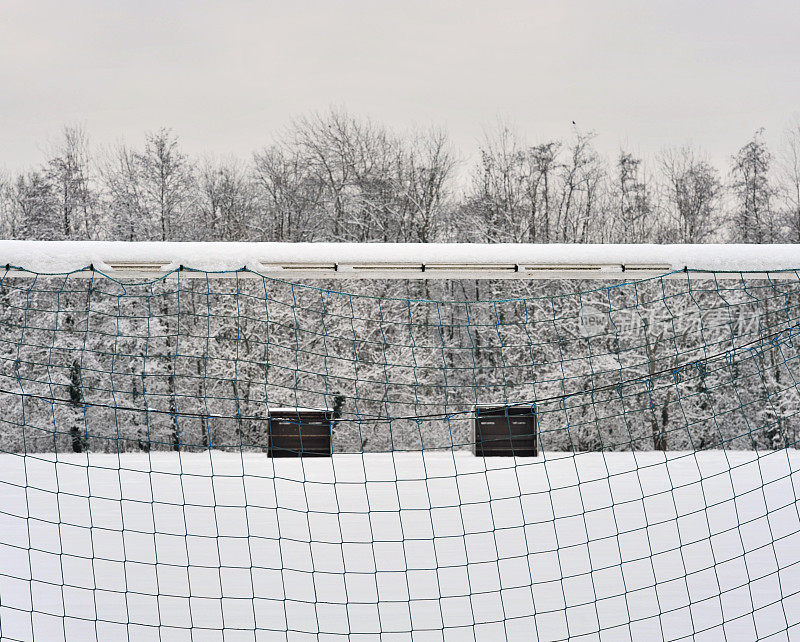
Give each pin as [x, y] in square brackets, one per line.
[439, 442]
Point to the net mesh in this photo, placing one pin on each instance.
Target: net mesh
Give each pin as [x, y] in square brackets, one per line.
[140, 497]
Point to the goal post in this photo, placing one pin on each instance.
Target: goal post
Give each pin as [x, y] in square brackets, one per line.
[399, 441]
[401, 260]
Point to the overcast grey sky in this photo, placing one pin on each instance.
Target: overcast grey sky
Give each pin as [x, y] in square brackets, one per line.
[227, 75]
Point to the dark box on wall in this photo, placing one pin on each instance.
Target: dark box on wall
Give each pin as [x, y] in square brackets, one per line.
[503, 431]
[299, 432]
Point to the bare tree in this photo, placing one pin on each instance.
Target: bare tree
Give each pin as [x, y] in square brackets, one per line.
[287, 197]
[693, 193]
[551, 192]
[753, 219]
[167, 182]
[151, 192]
[580, 216]
[124, 197]
[9, 219]
[346, 157]
[35, 207]
[224, 202]
[632, 201]
[68, 171]
[789, 163]
[428, 169]
[339, 178]
[512, 193]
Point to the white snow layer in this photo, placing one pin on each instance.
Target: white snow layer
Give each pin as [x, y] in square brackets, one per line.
[63, 256]
[440, 546]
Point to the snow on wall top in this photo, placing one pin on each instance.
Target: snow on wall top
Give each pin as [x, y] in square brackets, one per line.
[108, 256]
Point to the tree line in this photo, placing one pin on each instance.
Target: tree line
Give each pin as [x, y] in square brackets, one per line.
[333, 177]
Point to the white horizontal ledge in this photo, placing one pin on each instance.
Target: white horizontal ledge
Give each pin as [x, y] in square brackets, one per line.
[399, 260]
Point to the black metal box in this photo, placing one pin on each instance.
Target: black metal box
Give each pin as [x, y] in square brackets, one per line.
[299, 432]
[502, 431]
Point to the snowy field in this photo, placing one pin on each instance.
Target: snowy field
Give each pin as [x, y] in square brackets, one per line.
[614, 546]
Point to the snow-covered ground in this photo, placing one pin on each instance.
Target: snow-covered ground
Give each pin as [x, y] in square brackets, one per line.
[610, 546]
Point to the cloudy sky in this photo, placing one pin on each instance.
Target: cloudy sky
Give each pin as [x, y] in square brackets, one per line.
[227, 75]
